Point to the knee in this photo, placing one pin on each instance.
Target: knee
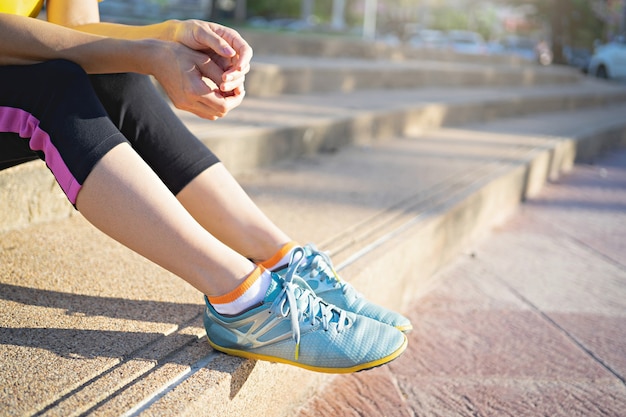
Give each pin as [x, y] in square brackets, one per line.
[62, 70]
[126, 82]
[63, 77]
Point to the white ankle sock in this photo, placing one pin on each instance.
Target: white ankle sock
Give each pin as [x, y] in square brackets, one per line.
[280, 258]
[247, 295]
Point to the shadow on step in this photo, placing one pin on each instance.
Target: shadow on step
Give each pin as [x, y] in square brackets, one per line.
[77, 310]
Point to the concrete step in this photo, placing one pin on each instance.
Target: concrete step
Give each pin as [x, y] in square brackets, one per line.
[264, 131]
[342, 46]
[272, 75]
[91, 328]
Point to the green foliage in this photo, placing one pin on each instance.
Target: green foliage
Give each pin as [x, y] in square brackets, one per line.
[482, 20]
[485, 22]
[275, 8]
[292, 9]
[445, 18]
[323, 10]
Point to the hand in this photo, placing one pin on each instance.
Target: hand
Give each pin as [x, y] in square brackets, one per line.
[181, 71]
[224, 45]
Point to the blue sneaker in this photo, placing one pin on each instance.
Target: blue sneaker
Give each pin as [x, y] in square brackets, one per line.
[318, 271]
[294, 326]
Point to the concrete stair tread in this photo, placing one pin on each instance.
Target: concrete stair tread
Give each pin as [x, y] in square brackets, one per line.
[279, 74]
[354, 184]
[384, 64]
[324, 46]
[264, 131]
[264, 112]
[114, 334]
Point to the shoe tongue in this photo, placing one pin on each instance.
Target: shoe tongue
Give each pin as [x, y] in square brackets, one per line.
[274, 289]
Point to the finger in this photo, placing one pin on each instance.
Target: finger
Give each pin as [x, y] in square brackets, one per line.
[233, 73]
[233, 79]
[205, 109]
[211, 70]
[232, 85]
[243, 50]
[244, 53]
[217, 104]
[223, 62]
[209, 38]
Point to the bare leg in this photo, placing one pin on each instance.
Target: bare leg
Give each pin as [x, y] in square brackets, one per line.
[135, 208]
[222, 207]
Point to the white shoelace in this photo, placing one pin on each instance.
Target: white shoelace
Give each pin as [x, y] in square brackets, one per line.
[298, 301]
[319, 262]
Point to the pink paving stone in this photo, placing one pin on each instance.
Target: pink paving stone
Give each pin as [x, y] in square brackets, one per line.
[368, 393]
[588, 204]
[603, 335]
[504, 343]
[513, 397]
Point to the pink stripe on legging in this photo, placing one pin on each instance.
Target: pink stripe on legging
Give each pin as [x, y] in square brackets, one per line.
[27, 126]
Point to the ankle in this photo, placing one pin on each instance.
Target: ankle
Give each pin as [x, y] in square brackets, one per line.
[280, 258]
[248, 294]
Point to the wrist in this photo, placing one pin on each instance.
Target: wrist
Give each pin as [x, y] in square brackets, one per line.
[170, 30]
[147, 54]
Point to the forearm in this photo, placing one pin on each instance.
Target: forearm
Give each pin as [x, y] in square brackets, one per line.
[163, 31]
[34, 41]
[84, 15]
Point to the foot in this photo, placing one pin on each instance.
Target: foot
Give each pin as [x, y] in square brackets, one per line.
[318, 272]
[296, 327]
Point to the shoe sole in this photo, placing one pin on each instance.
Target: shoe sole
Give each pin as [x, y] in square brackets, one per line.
[405, 329]
[357, 368]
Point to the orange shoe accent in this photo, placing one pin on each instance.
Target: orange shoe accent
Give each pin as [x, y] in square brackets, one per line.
[240, 290]
[271, 262]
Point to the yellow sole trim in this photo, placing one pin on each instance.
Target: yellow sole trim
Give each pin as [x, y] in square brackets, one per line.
[361, 367]
[405, 329]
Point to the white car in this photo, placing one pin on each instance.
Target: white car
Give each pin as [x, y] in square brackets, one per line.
[609, 61]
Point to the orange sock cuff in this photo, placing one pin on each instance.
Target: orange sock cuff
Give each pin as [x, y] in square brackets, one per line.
[240, 290]
[278, 256]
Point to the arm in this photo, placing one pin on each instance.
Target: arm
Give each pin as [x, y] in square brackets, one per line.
[227, 49]
[84, 16]
[179, 69]
[35, 41]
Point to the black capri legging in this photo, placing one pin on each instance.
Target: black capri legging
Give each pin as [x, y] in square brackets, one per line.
[56, 112]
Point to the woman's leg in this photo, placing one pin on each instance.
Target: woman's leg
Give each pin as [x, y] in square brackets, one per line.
[232, 216]
[249, 311]
[203, 185]
[54, 108]
[125, 199]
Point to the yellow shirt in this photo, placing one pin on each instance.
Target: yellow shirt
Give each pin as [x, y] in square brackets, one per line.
[21, 7]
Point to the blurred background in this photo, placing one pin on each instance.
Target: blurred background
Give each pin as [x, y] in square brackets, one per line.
[548, 32]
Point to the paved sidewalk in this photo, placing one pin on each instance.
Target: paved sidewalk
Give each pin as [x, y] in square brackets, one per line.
[532, 321]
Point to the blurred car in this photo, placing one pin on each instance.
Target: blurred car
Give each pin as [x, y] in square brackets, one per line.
[467, 42]
[609, 60]
[577, 57]
[521, 47]
[528, 49]
[429, 39]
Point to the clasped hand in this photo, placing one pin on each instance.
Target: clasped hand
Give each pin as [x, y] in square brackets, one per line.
[205, 68]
